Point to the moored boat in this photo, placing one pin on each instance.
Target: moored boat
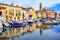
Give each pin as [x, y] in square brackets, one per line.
[50, 23]
[30, 22]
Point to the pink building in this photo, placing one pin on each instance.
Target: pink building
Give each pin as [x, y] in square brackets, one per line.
[50, 14]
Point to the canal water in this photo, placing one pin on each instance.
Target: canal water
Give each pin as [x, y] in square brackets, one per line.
[45, 34]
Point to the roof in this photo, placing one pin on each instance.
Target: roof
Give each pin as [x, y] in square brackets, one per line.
[11, 5]
[37, 11]
[24, 8]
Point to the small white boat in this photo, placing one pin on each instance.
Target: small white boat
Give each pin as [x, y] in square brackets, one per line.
[55, 21]
[50, 23]
[58, 20]
[30, 22]
[37, 20]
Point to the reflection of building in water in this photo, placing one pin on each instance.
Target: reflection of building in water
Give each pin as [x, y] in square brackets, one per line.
[12, 38]
[4, 38]
[42, 28]
[41, 31]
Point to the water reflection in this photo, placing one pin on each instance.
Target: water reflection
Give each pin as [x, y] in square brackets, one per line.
[43, 32]
[44, 27]
[57, 29]
[4, 38]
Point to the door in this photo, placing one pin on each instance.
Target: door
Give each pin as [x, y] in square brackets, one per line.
[1, 16]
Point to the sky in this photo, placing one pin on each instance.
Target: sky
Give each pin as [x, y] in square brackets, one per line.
[49, 4]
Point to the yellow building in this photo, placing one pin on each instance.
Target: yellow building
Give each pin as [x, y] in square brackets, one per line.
[15, 13]
[31, 13]
[8, 12]
[24, 13]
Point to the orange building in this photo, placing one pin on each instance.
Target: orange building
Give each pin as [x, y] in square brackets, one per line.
[50, 14]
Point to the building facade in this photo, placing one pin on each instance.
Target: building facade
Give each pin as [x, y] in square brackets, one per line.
[31, 12]
[41, 13]
[17, 13]
[12, 12]
[45, 13]
[50, 14]
[58, 16]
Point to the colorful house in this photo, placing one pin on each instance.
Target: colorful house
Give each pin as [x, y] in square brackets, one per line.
[24, 13]
[58, 16]
[8, 12]
[31, 13]
[41, 13]
[50, 14]
[45, 13]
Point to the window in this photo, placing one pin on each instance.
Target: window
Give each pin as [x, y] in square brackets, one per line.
[0, 13]
[6, 18]
[58, 17]
[30, 16]
[19, 18]
[14, 18]
[16, 14]
[12, 12]
[23, 14]
[6, 11]
[59, 14]
[19, 13]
